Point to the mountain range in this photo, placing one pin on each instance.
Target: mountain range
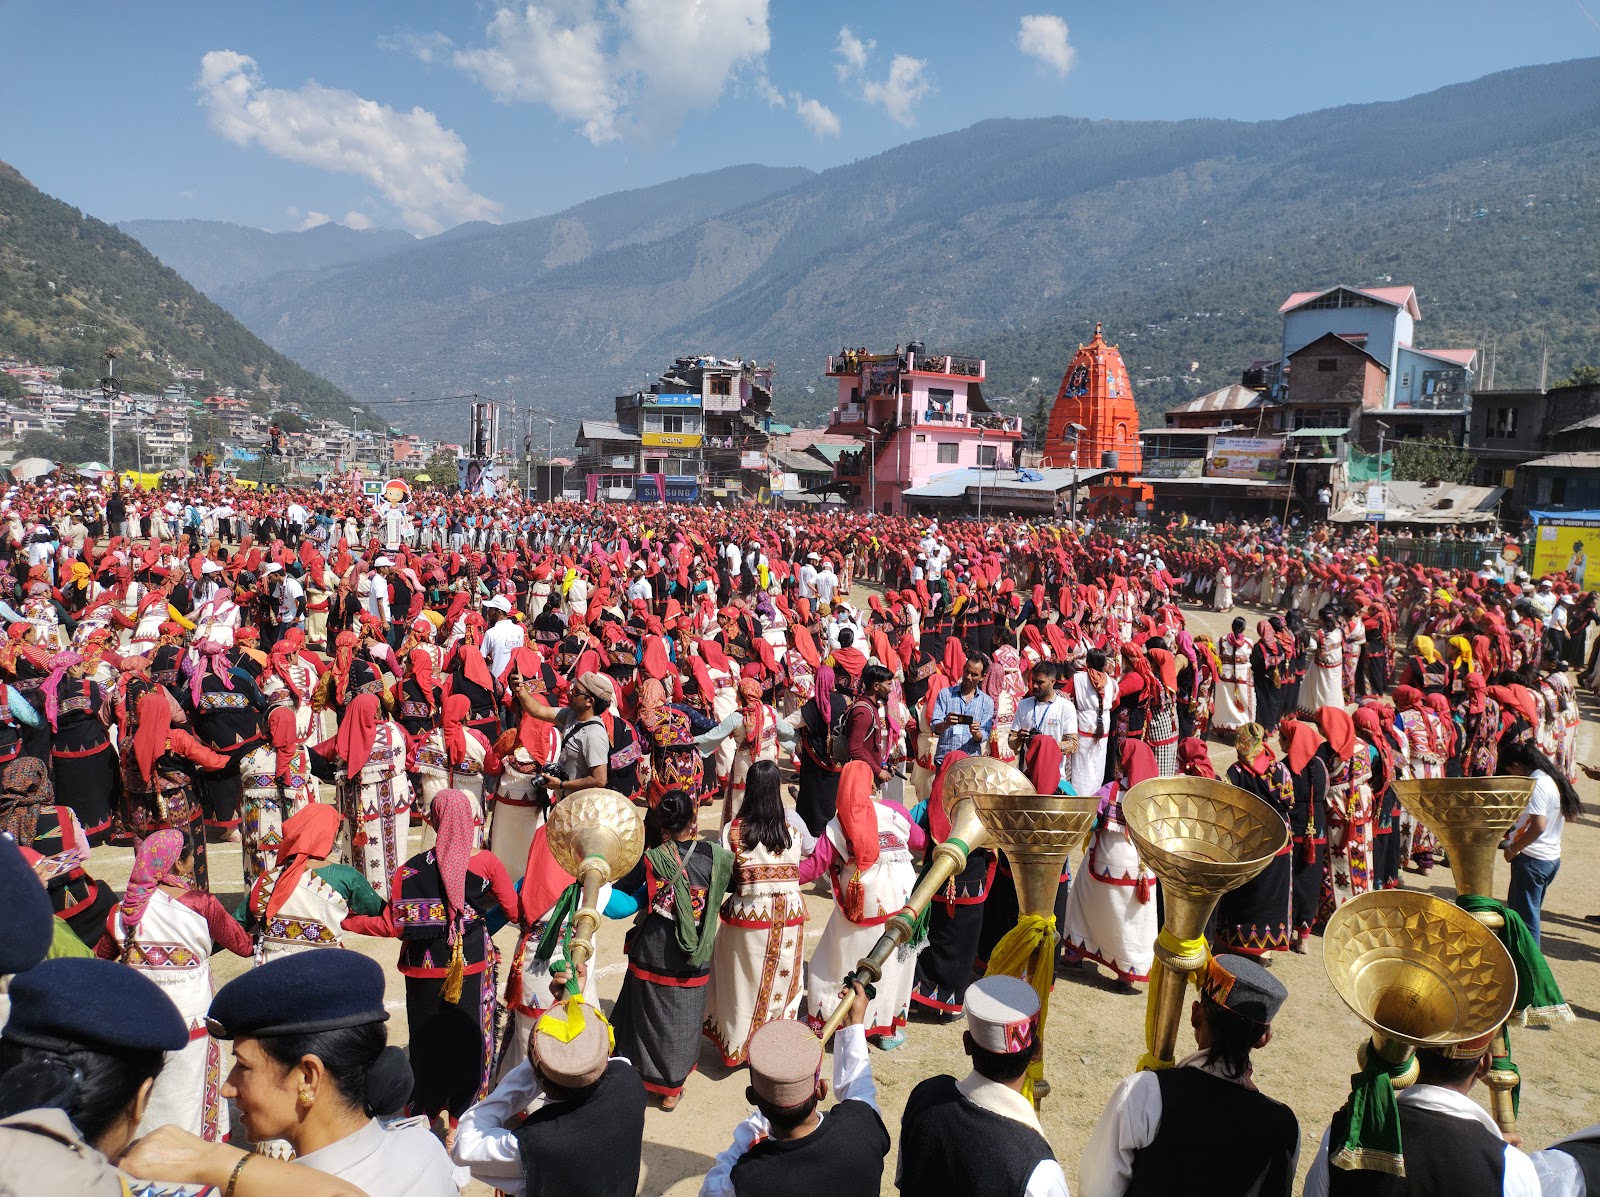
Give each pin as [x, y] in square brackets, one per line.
[72, 286]
[1008, 239]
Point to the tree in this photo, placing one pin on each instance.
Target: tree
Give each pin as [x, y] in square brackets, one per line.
[291, 422]
[1583, 376]
[10, 388]
[441, 468]
[1432, 459]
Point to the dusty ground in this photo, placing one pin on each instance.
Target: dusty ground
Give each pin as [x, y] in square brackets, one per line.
[1096, 1034]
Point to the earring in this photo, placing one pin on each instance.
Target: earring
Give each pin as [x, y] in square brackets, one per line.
[305, 1097]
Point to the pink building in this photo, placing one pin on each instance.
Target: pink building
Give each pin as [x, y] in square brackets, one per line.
[919, 415]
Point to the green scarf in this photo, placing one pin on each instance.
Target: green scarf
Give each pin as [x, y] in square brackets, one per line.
[1539, 999]
[1372, 1142]
[671, 869]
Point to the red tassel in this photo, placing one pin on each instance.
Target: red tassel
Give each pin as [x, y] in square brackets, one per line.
[1145, 888]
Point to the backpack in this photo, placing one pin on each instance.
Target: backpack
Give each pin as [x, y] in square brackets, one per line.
[838, 742]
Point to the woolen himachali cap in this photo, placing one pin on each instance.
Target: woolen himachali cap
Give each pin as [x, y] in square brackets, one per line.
[785, 1062]
[571, 1043]
[298, 994]
[1243, 987]
[97, 1004]
[1001, 1014]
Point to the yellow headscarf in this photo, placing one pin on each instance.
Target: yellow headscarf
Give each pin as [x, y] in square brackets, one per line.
[1425, 649]
[1463, 648]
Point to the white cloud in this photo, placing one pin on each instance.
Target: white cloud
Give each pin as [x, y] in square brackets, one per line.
[853, 54]
[628, 68]
[816, 116]
[313, 219]
[1044, 37]
[424, 47]
[899, 93]
[769, 93]
[356, 220]
[414, 162]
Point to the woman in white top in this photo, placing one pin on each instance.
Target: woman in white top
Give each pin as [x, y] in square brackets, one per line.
[1534, 846]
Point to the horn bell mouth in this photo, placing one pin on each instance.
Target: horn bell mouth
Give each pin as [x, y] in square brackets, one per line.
[1476, 809]
[595, 823]
[1200, 836]
[1418, 969]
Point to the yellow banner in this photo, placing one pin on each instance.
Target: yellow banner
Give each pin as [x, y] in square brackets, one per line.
[671, 440]
[142, 481]
[1562, 547]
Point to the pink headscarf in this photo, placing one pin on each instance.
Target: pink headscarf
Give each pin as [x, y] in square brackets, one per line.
[59, 664]
[160, 851]
[451, 815]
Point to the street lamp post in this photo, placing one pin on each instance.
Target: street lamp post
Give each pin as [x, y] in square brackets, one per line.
[981, 431]
[1074, 431]
[549, 452]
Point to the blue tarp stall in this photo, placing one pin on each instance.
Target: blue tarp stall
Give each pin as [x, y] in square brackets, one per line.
[1565, 517]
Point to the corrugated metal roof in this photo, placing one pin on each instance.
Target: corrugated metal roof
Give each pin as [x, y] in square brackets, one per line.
[1566, 461]
[955, 483]
[1328, 432]
[1231, 398]
[1591, 422]
[602, 430]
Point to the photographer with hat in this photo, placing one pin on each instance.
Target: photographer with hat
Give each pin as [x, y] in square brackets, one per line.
[788, 1146]
[1159, 1123]
[980, 1136]
[586, 1131]
[585, 743]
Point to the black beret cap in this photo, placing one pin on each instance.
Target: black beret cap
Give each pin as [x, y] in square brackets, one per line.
[319, 990]
[75, 1003]
[26, 903]
[1244, 986]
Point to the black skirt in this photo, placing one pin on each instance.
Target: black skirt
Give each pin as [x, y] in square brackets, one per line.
[452, 1043]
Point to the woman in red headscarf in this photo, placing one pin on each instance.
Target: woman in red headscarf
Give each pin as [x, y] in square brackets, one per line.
[1349, 762]
[455, 756]
[1308, 824]
[944, 967]
[754, 729]
[366, 760]
[867, 853]
[667, 737]
[302, 900]
[1254, 918]
[1481, 721]
[1111, 914]
[277, 782]
[159, 777]
[438, 908]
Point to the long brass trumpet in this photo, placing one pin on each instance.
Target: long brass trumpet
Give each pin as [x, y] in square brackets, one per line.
[1471, 815]
[596, 836]
[967, 835]
[1202, 838]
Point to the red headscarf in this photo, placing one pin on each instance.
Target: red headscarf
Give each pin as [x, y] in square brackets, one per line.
[955, 659]
[938, 819]
[308, 834]
[353, 742]
[1303, 744]
[1440, 706]
[1340, 729]
[858, 816]
[457, 709]
[754, 712]
[1194, 760]
[150, 740]
[806, 646]
[1042, 763]
[1136, 763]
[1370, 722]
[285, 740]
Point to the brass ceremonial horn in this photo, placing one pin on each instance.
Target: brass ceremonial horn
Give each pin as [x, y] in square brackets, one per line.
[1202, 838]
[1420, 971]
[1037, 832]
[597, 836]
[967, 835]
[1471, 815]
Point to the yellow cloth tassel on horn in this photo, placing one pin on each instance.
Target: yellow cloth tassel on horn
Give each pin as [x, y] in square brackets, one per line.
[1178, 947]
[1028, 951]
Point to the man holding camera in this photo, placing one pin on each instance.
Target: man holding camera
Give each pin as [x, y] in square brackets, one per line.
[1046, 713]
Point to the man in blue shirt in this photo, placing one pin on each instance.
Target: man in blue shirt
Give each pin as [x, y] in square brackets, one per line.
[963, 716]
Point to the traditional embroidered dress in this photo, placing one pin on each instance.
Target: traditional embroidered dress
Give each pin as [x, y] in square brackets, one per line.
[1235, 700]
[1355, 638]
[757, 963]
[1426, 751]
[1324, 684]
[377, 805]
[1094, 728]
[1350, 830]
[866, 900]
[1111, 917]
[518, 815]
[437, 772]
[172, 947]
[269, 802]
[945, 966]
[661, 1009]
[675, 762]
[310, 916]
[1255, 918]
[81, 754]
[300, 684]
[77, 898]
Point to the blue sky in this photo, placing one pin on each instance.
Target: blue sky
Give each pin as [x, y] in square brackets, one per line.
[422, 115]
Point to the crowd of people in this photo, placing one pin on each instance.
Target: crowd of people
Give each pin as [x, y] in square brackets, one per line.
[381, 701]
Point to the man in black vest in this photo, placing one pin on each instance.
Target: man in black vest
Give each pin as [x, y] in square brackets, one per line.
[1570, 1168]
[1161, 1126]
[789, 1148]
[1449, 1144]
[588, 1135]
[980, 1137]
